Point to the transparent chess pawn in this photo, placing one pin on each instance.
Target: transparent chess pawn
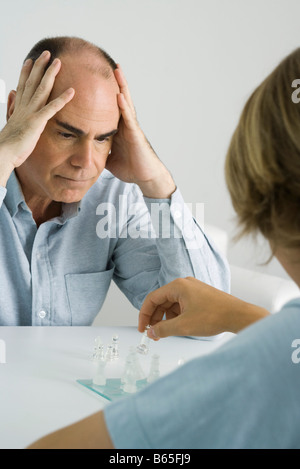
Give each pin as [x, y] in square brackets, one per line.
[98, 353]
[129, 377]
[143, 346]
[109, 355]
[154, 369]
[99, 378]
[115, 345]
[139, 374]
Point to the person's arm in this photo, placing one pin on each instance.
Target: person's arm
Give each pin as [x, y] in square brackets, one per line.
[223, 399]
[88, 433]
[195, 308]
[28, 113]
[145, 260]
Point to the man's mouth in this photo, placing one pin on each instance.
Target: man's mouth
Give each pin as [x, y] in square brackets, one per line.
[74, 180]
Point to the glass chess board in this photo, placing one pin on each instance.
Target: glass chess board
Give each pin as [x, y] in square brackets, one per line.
[113, 389]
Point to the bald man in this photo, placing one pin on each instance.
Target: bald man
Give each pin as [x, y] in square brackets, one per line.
[78, 183]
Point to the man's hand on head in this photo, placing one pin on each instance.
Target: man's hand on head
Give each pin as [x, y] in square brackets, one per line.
[28, 112]
[132, 158]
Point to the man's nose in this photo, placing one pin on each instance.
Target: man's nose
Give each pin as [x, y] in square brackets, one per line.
[83, 155]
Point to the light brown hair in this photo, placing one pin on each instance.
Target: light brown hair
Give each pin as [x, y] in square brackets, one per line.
[262, 166]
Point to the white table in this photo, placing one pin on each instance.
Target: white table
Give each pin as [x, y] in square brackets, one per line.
[38, 388]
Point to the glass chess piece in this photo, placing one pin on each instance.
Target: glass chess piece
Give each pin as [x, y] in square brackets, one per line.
[129, 376]
[99, 378]
[115, 347]
[98, 353]
[154, 369]
[109, 356]
[132, 358]
[143, 346]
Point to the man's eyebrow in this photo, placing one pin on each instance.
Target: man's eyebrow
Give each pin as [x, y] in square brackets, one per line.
[80, 132]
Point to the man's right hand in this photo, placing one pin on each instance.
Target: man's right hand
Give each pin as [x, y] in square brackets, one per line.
[29, 112]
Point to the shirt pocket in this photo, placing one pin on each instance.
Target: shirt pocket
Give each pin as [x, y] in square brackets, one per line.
[86, 294]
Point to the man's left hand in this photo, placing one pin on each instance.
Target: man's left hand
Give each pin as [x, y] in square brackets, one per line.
[132, 159]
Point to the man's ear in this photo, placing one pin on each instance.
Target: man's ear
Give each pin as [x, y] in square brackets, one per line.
[10, 104]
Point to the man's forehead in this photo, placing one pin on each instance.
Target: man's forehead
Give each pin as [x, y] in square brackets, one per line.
[94, 107]
[88, 75]
[101, 134]
[91, 119]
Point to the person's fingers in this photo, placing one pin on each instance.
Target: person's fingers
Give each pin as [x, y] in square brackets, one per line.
[166, 328]
[123, 85]
[25, 72]
[44, 89]
[150, 313]
[48, 111]
[35, 77]
[157, 302]
[173, 311]
[129, 117]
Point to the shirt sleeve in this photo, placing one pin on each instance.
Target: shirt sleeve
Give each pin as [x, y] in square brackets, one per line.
[162, 242]
[186, 237]
[242, 395]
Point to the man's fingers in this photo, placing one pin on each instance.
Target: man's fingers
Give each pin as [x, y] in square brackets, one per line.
[44, 89]
[127, 114]
[120, 77]
[35, 77]
[57, 104]
[25, 72]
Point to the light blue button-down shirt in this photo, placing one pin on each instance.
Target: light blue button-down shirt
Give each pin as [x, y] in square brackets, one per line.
[60, 272]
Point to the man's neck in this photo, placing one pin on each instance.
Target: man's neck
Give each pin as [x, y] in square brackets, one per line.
[42, 208]
[42, 213]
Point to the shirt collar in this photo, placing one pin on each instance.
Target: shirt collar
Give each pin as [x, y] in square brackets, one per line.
[69, 211]
[14, 195]
[14, 198]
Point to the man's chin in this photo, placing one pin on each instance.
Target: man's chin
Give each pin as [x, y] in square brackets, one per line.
[70, 191]
[70, 198]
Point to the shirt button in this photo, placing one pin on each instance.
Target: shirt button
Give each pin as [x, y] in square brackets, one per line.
[42, 314]
[177, 214]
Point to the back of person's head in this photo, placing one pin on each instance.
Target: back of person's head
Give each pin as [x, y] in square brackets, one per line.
[73, 46]
[263, 161]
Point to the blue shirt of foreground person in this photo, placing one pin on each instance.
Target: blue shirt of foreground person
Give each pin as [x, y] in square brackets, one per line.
[80, 189]
[246, 393]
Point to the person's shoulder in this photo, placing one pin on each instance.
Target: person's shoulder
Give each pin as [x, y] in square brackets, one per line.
[291, 306]
[277, 328]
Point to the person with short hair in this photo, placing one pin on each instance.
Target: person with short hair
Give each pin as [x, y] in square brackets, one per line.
[84, 199]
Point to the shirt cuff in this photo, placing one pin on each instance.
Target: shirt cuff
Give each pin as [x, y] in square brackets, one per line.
[172, 218]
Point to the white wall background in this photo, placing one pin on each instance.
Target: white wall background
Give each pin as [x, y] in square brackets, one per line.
[190, 64]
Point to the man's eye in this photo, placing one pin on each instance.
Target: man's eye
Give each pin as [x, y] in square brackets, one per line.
[65, 135]
[103, 140]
